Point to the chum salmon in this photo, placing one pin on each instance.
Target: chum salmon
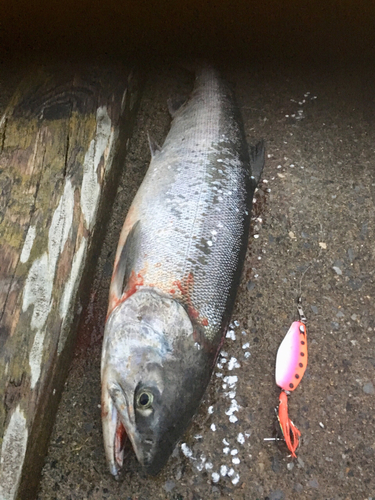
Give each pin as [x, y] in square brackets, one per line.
[176, 272]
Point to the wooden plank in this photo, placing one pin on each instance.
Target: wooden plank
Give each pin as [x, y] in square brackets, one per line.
[62, 142]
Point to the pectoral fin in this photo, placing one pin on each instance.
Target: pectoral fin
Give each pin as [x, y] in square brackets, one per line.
[175, 104]
[124, 266]
[154, 146]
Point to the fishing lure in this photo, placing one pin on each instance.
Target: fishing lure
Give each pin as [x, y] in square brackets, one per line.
[291, 362]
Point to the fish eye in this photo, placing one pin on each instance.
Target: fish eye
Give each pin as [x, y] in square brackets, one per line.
[145, 399]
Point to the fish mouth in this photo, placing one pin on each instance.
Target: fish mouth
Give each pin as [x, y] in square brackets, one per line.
[117, 428]
[120, 439]
[114, 435]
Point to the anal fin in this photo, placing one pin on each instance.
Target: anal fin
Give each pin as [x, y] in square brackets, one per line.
[257, 157]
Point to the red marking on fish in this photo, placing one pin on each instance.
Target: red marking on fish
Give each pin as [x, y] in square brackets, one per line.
[185, 288]
[193, 313]
[135, 281]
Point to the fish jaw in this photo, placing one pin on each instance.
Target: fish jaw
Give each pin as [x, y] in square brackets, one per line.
[153, 378]
[113, 433]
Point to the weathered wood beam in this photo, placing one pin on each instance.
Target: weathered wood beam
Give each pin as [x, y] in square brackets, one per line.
[62, 142]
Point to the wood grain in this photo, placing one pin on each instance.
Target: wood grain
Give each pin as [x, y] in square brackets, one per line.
[62, 142]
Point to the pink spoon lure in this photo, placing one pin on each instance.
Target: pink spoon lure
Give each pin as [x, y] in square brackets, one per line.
[291, 359]
[291, 362]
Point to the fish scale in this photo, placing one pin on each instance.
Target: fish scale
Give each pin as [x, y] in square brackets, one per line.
[180, 204]
[176, 273]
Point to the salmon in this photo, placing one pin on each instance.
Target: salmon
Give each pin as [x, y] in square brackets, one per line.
[176, 272]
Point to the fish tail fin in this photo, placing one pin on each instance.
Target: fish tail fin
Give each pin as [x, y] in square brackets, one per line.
[257, 156]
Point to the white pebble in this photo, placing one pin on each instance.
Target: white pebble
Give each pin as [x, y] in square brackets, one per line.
[213, 427]
[236, 460]
[247, 355]
[236, 479]
[224, 354]
[226, 450]
[256, 236]
[243, 332]
[208, 466]
[225, 442]
[236, 323]
[215, 477]
[231, 380]
[200, 466]
[186, 450]
[198, 436]
[218, 374]
[241, 438]
[230, 472]
[223, 470]
[210, 410]
[245, 346]
[234, 452]
[233, 419]
[233, 408]
[231, 335]
[233, 363]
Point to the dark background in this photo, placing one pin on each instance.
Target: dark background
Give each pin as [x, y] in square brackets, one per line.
[312, 31]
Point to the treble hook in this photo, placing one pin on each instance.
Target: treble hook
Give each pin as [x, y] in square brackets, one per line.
[301, 315]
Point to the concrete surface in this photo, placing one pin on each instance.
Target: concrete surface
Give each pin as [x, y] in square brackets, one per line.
[313, 219]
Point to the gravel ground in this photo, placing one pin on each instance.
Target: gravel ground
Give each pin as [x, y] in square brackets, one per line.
[312, 233]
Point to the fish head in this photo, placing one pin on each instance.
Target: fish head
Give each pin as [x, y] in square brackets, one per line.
[154, 375]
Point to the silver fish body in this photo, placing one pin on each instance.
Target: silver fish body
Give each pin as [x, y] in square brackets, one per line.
[177, 269]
